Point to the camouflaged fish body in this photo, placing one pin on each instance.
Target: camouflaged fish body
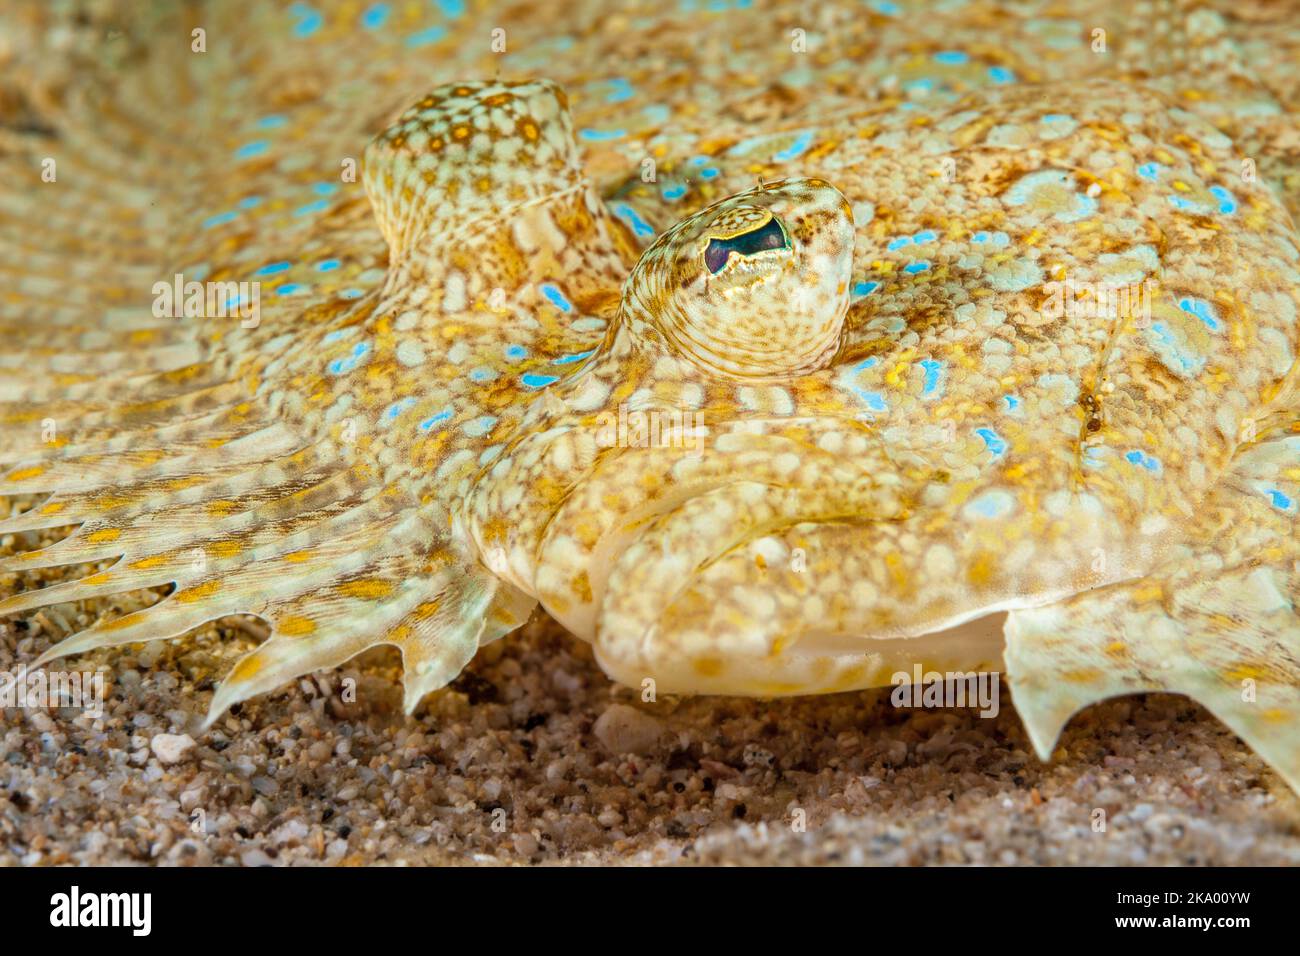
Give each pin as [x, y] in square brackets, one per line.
[880, 434]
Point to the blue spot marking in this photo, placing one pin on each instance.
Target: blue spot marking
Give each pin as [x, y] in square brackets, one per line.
[1012, 402]
[1143, 460]
[1170, 351]
[274, 121]
[1227, 202]
[924, 85]
[991, 504]
[348, 363]
[451, 9]
[887, 7]
[927, 235]
[515, 351]
[570, 359]
[1084, 206]
[899, 243]
[395, 409]
[290, 288]
[875, 401]
[432, 420]
[249, 202]
[256, 148]
[556, 296]
[310, 21]
[657, 114]
[220, 219]
[600, 135]
[864, 364]
[708, 173]
[425, 37]
[951, 56]
[913, 268]
[324, 188]
[933, 374]
[272, 268]
[351, 294]
[1149, 171]
[865, 288]
[674, 192]
[335, 335]
[639, 226]
[375, 17]
[318, 205]
[1000, 74]
[1091, 457]
[1203, 311]
[1178, 202]
[327, 265]
[1027, 188]
[1279, 500]
[795, 149]
[533, 380]
[992, 440]
[620, 91]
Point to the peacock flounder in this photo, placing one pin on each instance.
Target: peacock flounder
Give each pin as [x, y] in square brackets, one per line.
[999, 379]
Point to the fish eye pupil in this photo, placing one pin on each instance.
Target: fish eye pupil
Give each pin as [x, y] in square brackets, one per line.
[770, 235]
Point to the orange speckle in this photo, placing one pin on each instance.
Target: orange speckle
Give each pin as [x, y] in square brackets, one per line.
[1082, 675]
[292, 625]
[198, 592]
[249, 667]
[371, 589]
[225, 549]
[707, 666]
[120, 623]
[980, 570]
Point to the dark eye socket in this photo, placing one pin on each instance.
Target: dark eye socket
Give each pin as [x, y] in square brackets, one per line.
[768, 236]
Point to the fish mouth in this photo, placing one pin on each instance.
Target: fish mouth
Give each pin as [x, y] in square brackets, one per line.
[643, 526]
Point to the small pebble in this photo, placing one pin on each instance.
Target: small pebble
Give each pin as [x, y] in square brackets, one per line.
[171, 748]
[626, 730]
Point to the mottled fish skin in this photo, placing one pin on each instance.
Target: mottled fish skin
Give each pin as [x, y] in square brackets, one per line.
[819, 246]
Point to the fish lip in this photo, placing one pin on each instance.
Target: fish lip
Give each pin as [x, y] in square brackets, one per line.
[552, 543]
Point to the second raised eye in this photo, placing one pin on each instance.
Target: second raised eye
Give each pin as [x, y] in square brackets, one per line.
[770, 235]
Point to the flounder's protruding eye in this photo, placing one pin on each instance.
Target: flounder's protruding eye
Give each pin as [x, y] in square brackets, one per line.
[755, 286]
[770, 235]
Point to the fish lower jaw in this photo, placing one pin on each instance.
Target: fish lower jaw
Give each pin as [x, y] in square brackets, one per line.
[812, 664]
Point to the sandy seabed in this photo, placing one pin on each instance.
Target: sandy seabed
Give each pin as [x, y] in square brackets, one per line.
[534, 757]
